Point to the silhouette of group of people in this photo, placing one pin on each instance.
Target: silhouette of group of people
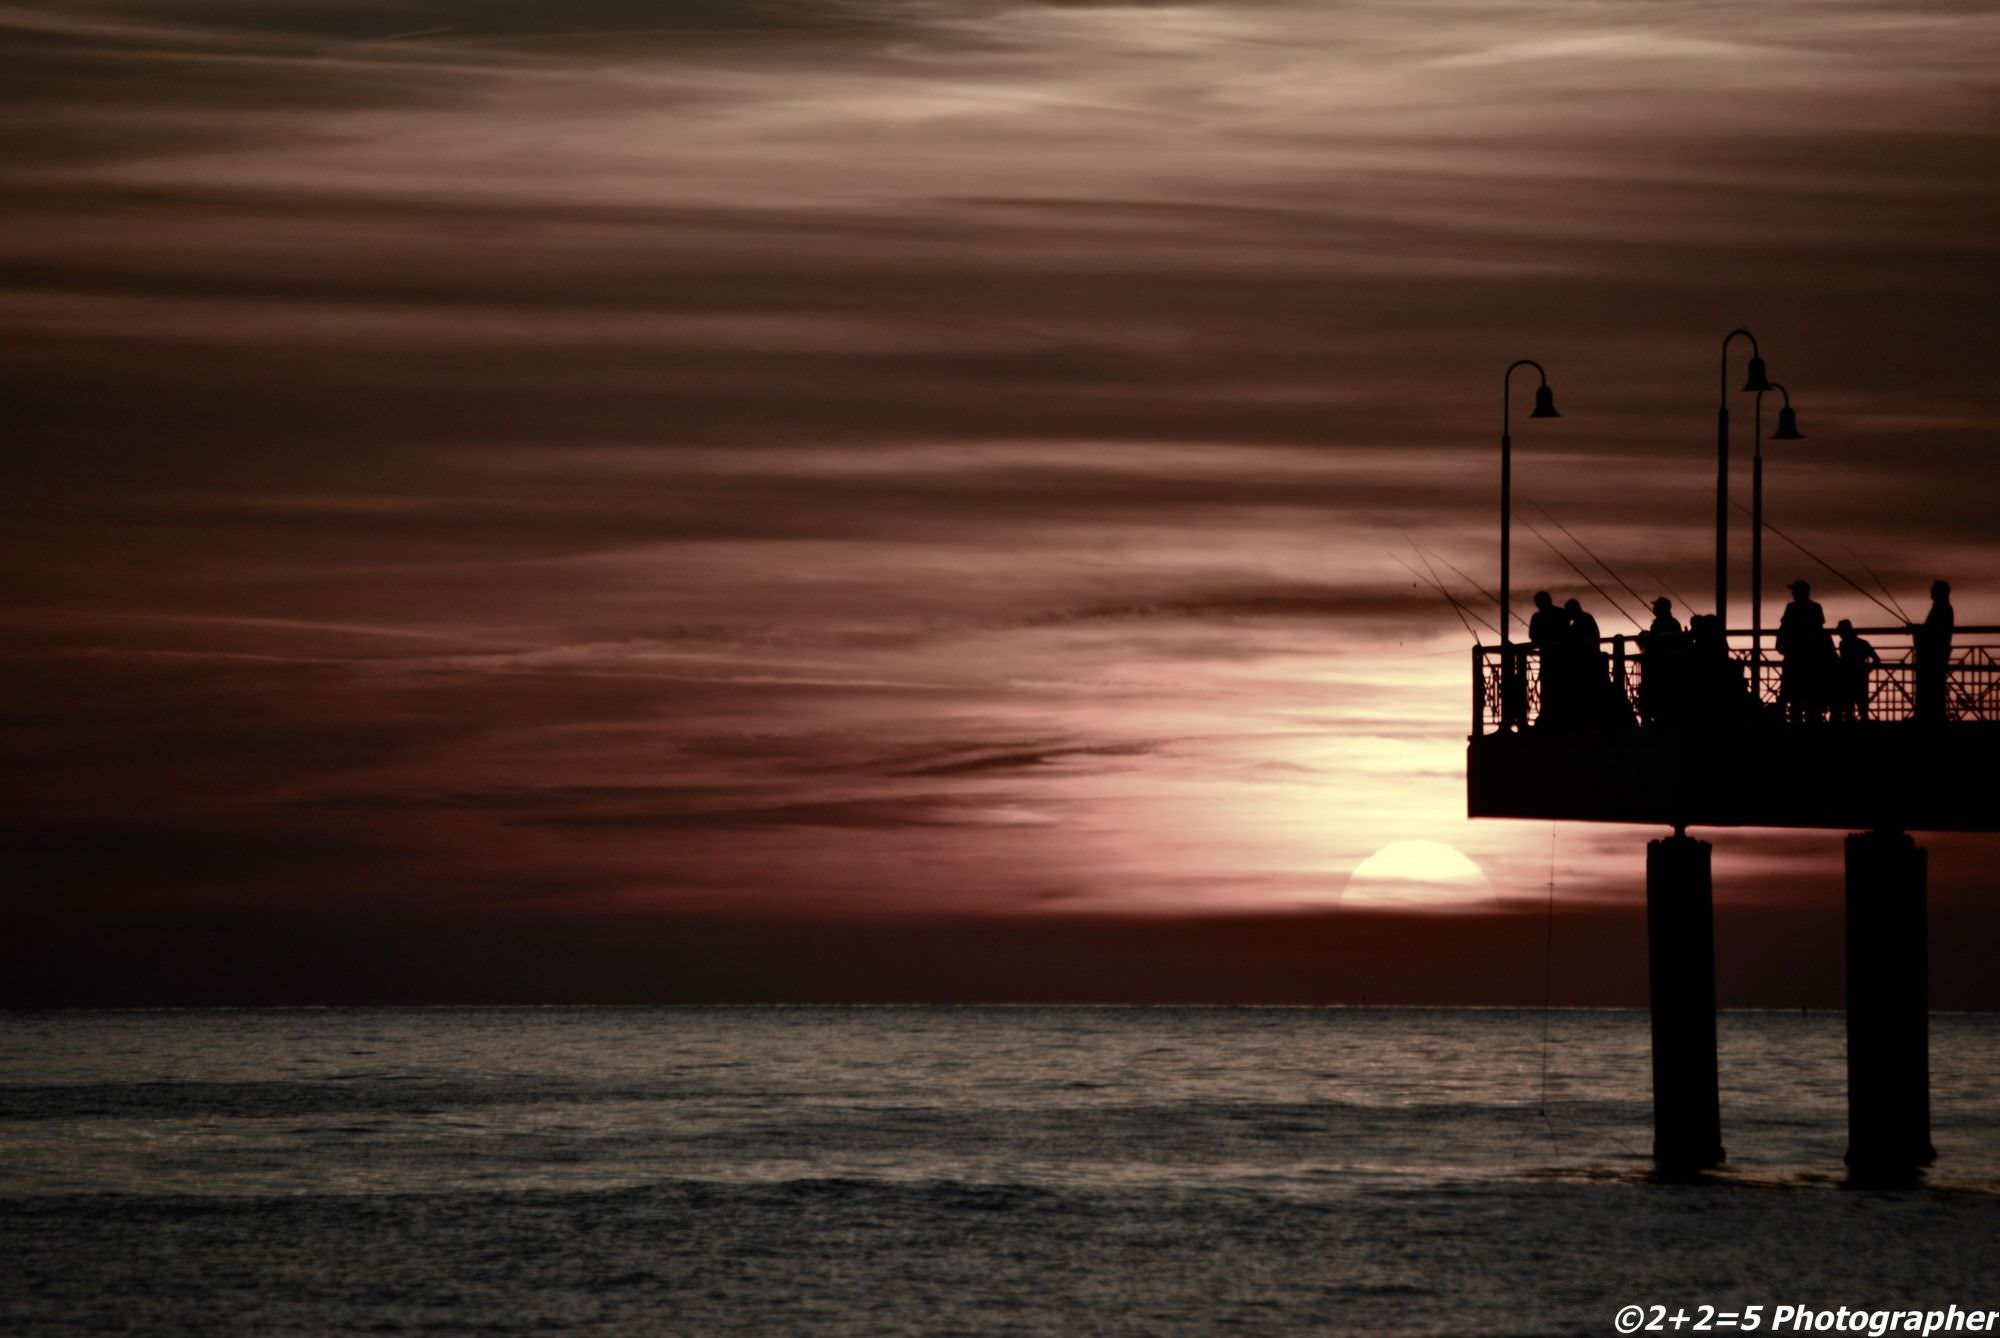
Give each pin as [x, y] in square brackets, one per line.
[1687, 674]
[1575, 679]
[1818, 678]
[1823, 680]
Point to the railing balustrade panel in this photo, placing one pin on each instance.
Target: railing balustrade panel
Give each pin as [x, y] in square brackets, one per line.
[1636, 682]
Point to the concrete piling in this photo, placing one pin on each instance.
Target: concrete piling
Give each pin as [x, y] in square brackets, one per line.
[1888, 1007]
[1680, 932]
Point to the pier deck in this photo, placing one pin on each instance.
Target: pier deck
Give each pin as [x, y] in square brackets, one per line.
[1745, 765]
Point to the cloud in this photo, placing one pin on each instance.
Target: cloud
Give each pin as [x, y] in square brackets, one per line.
[1020, 759]
[847, 457]
[907, 810]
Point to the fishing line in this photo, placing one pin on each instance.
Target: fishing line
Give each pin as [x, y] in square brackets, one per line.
[1536, 530]
[1460, 572]
[1861, 589]
[1457, 609]
[1441, 585]
[1672, 593]
[1449, 598]
[1548, 977]
[1637, 598]
[1881, 585]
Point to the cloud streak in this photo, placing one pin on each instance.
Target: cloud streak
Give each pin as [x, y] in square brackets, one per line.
[847, 459]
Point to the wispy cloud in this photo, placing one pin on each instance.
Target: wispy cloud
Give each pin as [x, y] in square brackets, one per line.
[747, 456]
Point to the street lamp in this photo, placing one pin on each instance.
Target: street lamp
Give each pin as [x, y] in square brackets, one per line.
[1545, 407]
[1754, 382]
[1788, 430]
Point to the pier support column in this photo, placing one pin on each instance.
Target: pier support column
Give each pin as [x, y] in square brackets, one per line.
[1888, 1007]
[1680, 937]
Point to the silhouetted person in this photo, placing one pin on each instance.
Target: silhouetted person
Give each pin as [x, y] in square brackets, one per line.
[1933, 646]
[1808, 652]
[1857, 657]
[1589, 671]
[1662, 657]
[1664, 622]
[1582, 625]
[1548, 630]
[1716, 679]
[1617, 701]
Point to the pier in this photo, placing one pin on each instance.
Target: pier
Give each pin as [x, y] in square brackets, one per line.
[1705, 726]
[1634, 754]
[1741, 766]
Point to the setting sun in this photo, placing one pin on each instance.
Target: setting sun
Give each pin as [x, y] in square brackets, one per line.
[1410, 874]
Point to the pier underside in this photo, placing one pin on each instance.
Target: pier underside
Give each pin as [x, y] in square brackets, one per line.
[1875, 775]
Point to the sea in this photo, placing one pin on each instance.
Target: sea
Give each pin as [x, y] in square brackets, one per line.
[866, 1171]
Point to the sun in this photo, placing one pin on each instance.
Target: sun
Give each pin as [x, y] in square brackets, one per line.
[1414, 875]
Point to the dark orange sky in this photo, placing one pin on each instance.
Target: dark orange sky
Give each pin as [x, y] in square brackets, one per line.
[505, 496]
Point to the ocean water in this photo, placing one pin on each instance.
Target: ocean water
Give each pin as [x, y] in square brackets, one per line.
[946, 1171]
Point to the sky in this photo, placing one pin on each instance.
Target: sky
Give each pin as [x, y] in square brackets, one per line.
[600, 501]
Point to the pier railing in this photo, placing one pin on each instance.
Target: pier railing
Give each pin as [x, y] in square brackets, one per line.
[1638, 681]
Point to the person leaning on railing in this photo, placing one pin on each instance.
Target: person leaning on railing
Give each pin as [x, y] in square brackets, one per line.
[1857, 658]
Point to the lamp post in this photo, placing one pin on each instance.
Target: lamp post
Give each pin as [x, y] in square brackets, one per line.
[1755, 381]
[1788, 430]
[1511, 691]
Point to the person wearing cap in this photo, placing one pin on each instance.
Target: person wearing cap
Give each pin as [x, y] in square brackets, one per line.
[1662, 656]
[1932, 642]
[1664, 622]
[1808, 652]
[1857, 658]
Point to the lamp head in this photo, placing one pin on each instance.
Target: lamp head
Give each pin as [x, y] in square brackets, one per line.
[1545, 403]
[1757, 380]
[1788, 426]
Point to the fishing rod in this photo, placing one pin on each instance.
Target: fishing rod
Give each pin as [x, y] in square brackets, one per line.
[1859, 588]
[1437, 583]
[1587, 579]
[1637, 598]
[1457, 605]
[1449, 598]
[1439, 579]
[1672, 593]
[1463, 576]
[1881, 585]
